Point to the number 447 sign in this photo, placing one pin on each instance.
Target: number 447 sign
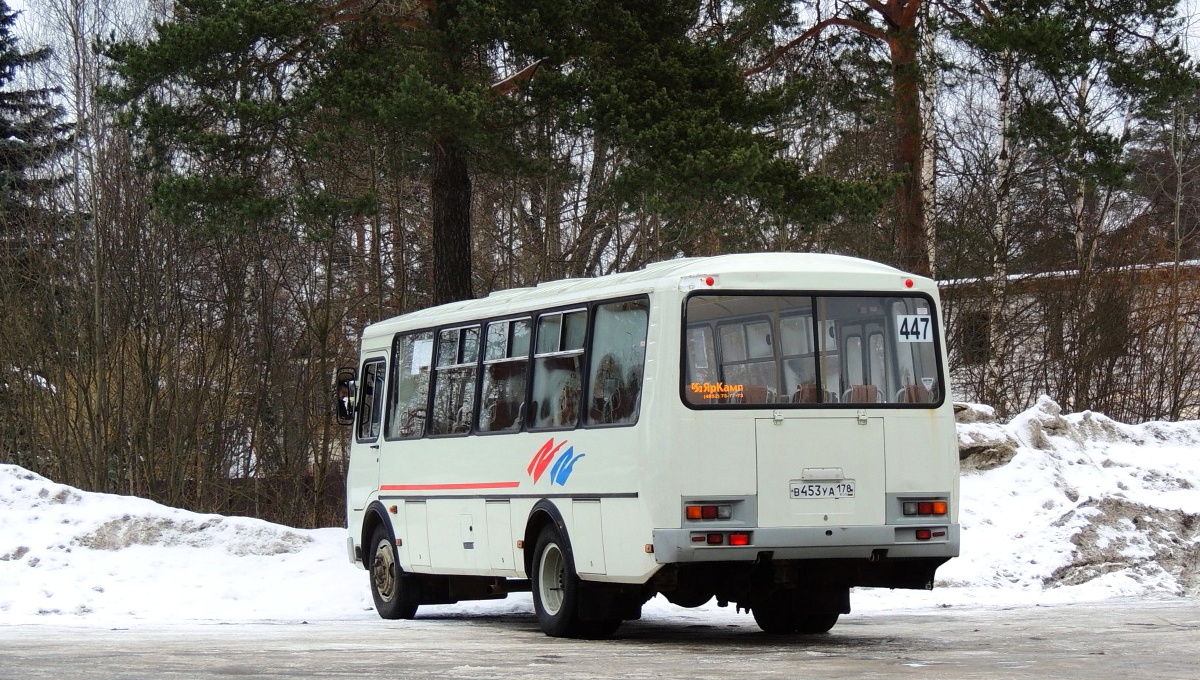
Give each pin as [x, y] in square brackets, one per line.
[914, 328]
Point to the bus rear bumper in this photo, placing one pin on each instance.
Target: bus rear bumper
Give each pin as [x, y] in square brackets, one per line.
[672, 546]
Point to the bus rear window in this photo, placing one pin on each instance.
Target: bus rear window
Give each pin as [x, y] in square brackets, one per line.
[805, 350]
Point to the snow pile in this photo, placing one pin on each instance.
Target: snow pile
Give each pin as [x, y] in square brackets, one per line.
[1081, 500]
[1054, 507]
[68, 552]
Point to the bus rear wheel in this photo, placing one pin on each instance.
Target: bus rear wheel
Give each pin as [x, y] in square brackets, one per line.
[780, 616]
[388, 582]
[556, 592]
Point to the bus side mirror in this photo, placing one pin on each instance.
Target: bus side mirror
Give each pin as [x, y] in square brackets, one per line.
[344, 395]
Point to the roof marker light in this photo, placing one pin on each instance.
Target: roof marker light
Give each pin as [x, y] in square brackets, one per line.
[908, 283]
[687, 283]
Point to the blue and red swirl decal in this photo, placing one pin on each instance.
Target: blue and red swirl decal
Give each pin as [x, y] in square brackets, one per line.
[562, 467]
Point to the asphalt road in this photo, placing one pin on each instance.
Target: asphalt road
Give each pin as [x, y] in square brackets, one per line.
[1114, 639]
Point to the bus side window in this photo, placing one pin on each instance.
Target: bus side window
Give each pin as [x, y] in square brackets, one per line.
[505, 371]
[557, 369]
[370, 402]
[454, 381]
[617, 360]
[412, 355]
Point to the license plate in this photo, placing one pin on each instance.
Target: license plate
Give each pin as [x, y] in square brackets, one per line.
[842, 489]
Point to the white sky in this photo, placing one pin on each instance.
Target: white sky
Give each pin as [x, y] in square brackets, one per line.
[69, 557]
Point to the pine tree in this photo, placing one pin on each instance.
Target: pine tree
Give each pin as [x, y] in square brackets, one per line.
[32, 136]
[439, 95]
[32, 133]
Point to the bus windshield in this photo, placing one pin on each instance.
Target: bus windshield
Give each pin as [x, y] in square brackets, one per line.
[801, 350]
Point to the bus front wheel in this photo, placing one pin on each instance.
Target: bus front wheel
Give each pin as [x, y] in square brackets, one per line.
[392, 600]
[556, 592]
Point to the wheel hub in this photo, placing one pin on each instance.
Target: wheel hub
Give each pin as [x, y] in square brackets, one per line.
[383, 572]
[551, 577]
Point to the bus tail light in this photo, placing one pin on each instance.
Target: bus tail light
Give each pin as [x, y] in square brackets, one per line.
[709, 512]
[733, 538]
[927, 534]
[931, 508]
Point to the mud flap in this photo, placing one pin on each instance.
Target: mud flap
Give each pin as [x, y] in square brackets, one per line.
[608, 602]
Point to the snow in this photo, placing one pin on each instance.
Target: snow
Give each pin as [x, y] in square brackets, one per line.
[1055, 508]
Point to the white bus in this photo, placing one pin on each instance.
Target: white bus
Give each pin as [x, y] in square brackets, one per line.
[768, 430]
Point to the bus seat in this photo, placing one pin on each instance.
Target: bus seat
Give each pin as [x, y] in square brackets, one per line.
[503, 415]
[568, 406]
[913, 394]
[464, 417]
[862, 394]
[806, 394]
[414, 423]
[811, 394]
[754, 394]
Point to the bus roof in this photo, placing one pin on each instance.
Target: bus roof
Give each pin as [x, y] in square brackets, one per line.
[749, 271]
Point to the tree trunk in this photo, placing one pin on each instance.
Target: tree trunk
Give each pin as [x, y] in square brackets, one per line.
[994, 390]
[929, 138]
[450, 199]
[911, 240]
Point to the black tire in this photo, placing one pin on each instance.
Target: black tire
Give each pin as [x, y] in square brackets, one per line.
[814, 623]
[388, 582]
[780, 616]
[556, 591]
[555, 586]
[599, 630]
[775, 616]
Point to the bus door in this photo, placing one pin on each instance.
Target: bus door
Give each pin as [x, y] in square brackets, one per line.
[363, 479]
[820, 470]
[827, 467]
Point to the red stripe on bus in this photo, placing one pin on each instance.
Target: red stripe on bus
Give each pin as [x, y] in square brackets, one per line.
[448, 487]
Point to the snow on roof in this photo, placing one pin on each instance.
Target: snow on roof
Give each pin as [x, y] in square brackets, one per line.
[1189, 267]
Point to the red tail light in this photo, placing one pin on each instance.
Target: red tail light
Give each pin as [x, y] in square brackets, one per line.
[926, 508]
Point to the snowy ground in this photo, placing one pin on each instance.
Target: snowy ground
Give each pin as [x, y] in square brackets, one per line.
[1055, 508]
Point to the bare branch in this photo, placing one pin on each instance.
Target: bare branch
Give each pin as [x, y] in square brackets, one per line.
[812, 33]
[510, 83]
